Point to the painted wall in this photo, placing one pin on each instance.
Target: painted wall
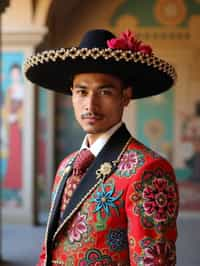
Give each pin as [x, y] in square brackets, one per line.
[12, 105]
[20, 35]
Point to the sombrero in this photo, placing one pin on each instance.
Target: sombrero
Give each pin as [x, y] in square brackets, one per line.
[102, 52]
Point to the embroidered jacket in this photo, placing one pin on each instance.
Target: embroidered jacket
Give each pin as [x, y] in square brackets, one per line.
[123, 212]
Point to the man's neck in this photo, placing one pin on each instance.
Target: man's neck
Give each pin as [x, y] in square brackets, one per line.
[91, 138]
[96, 144]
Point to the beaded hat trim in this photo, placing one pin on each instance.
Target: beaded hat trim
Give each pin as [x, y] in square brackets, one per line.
[100, 53]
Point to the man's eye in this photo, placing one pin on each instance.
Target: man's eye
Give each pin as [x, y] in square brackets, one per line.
[106, 92]
[81, 92]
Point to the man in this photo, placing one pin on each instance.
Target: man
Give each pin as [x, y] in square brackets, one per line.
[122, 208]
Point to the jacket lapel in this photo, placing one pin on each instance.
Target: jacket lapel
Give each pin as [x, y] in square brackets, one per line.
[53, 219]
[109, 153]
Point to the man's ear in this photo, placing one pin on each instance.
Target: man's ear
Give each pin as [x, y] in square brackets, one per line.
[127, 95]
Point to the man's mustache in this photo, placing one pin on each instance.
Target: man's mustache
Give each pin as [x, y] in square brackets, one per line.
[90, 114]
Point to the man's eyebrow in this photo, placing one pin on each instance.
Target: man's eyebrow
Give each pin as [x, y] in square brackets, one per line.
[107, 85]
[79, 86]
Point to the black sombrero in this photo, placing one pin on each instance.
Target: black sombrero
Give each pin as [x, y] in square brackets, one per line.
[100, 51]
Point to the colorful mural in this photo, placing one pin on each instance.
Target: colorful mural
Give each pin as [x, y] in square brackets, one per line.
[11, 138]
[42, 181]
[69, 135]
[190, 138]
[154, 120]
[158, 13]
[189, 174]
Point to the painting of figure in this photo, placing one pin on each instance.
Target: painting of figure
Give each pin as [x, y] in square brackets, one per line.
[12, 130]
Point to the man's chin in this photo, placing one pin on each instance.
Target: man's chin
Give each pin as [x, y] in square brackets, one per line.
[93, 130]
[97, 128]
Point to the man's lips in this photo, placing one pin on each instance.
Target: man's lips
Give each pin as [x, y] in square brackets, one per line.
[91, 117]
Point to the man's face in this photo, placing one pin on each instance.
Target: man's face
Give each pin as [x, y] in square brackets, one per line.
[98, 101]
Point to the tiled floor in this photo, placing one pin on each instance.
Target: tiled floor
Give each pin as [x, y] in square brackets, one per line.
[21, 244]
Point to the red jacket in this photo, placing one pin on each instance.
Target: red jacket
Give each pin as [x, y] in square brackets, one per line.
[123, 212]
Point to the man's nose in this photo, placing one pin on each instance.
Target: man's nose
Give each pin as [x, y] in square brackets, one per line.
[92, 102]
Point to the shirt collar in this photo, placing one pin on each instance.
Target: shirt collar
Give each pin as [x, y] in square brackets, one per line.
[97, 146]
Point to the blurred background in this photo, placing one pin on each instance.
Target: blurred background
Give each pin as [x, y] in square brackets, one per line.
[38, 128]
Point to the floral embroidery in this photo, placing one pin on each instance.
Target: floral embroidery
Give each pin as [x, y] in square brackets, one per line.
[106, 199]
[117, 239]
[157, 252]
[129, 162]
[95, 258]
[156, 199]
[159, 200]
[78, 228]
[101, 223]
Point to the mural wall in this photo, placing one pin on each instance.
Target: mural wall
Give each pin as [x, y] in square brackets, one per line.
[19, 38]
[11, 138]
[42, 175]
[155, 123]
[68, 133]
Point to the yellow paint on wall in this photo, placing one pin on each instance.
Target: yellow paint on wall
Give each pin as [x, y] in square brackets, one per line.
[125, 22]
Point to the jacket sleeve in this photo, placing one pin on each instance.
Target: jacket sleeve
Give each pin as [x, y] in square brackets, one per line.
[152, 208]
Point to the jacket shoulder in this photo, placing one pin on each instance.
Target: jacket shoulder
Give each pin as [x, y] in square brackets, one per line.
[146, 151]
[148, 158]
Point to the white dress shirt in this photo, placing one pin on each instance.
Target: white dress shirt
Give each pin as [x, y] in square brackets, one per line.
[98, 145]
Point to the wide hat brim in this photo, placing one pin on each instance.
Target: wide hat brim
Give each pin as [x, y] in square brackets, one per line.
[147, 74]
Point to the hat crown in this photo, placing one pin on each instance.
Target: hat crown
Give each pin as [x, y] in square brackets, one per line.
[96, 39]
